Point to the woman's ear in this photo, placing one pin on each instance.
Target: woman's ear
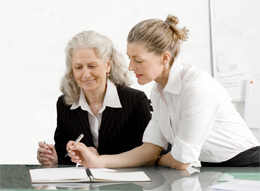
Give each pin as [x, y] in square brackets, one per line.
[108, 65]
[166, 57]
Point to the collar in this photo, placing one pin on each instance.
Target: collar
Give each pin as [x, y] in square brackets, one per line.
[174, 82]
[111, 99]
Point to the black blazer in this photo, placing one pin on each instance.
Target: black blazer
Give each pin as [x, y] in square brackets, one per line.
[121, 129]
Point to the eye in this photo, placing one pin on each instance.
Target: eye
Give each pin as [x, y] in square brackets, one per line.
[91, 66]
[78, 67]
[138, 61]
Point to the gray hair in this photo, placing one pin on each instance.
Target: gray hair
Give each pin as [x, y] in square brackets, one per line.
[104, 49]
[158, 36]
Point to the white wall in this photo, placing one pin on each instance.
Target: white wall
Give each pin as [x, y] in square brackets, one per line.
[33, 36]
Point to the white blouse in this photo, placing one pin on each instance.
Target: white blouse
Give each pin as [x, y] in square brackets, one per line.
[111, 100]
[195, 114]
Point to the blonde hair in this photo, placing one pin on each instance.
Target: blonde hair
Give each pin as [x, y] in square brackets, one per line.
[104, 49]
[158, 36]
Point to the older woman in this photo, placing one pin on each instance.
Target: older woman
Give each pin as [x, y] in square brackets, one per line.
[192, 111]
[96, 102]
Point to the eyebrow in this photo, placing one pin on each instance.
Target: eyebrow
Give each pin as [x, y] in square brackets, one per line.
[87, 63]
[133, 56]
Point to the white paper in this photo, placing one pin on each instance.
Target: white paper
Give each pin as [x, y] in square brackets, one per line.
[48, 175]
[224, 8]
[59, 175]
[222, 62]
[238, 185]
[121, 176]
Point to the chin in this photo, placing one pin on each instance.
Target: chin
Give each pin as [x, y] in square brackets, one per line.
[142, 82]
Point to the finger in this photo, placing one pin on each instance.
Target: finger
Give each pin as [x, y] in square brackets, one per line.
[43, 150]
[43, 161]
[43, 145]
[51, 146]
[53, 150]
[74, 157]
[69, 144]
[79, 147]
[47, 156]
[76, 161]
[47, 163]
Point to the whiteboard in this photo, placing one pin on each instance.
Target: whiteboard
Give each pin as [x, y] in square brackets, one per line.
[235, 44]
[252, 103]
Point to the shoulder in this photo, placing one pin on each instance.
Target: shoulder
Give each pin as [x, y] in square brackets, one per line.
[61, 103]
[191, 73]
[124, 89]
[200, 84]
[127, 94]
[193, 76]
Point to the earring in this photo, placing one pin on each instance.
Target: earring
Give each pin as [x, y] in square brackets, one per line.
[108, 74]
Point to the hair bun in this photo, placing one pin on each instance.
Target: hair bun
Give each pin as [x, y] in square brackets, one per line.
[172, 19]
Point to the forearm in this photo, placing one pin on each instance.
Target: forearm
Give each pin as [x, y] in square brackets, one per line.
[168, 161]
[143, 155]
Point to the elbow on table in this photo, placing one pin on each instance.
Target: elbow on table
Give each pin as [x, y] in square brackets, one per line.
[181, 166]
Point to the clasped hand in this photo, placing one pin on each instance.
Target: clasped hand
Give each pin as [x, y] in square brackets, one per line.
[80, 153]
[46, 154]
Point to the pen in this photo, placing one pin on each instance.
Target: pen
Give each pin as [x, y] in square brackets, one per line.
[47, 145]
[89, 174]
[76, 142]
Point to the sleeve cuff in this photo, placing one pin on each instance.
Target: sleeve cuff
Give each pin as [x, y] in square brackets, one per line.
[185, 153]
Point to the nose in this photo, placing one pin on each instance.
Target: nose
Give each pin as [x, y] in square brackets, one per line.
[131, 66]
[86, 72]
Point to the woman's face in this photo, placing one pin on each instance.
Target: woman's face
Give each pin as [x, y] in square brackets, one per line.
[89, 71]
[146, 66]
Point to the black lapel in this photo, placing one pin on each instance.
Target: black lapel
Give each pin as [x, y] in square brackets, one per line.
[81, 124]
[110, 119]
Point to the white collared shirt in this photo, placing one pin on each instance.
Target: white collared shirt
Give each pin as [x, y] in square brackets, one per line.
[111, 100]
[195, 114]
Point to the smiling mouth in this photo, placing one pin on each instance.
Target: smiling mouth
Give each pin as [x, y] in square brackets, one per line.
[88, 81]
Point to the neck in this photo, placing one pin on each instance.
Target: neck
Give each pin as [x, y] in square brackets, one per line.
[163, 78]
[95, 100]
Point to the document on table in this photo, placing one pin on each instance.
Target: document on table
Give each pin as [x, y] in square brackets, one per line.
[242, 176]
[238, 185]
[72, 174]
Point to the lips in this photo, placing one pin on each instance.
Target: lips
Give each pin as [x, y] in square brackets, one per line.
[138, 75]
[88, 81]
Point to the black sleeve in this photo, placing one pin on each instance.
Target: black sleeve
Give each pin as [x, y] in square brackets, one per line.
[61, 137]
[140, 119]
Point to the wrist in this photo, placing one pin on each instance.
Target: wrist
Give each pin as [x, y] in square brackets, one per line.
[101, 162]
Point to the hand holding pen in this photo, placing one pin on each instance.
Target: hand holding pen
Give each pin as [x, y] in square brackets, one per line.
[76, 142]
[46, 154]
[80, 153]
